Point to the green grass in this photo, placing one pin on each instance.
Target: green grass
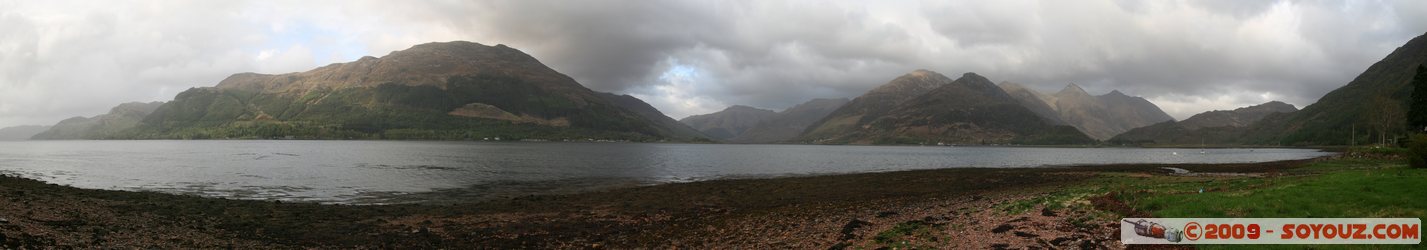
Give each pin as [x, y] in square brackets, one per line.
[1358, 189]
[1054, 200]
[1342, 188]
[909, 235]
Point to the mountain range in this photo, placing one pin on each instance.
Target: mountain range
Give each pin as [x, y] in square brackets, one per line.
[1217, 127]
[453, 90]
[464, 90]
[789, 123]
[730, 122]
[1101, 117]
[926, 107]
[744, 124]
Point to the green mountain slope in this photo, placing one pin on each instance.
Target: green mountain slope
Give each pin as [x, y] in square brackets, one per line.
[969, 110]
[454, 90]
[1380, 90]
[669, 126]
[875, 103]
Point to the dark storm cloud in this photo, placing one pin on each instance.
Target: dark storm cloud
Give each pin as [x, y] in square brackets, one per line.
[60, 59]
[1186, 56]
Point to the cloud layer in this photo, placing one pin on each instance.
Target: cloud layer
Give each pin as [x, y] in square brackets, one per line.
[60, 59]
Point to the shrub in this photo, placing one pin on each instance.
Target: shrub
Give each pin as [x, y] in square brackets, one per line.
[1418, 147]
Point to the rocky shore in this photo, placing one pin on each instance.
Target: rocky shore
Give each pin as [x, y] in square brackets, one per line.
[948, 208]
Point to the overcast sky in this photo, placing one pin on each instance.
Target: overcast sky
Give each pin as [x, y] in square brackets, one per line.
[60, 59]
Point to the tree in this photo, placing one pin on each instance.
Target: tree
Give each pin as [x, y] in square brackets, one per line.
[1389, 116]
[1417, 110]
[1417, 119]
[1417, 148]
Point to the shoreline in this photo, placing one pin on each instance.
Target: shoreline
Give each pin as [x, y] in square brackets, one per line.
[802, 212]
[1152, 146]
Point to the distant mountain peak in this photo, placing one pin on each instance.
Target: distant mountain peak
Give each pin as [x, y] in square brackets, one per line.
[917, 81]
[1116, 93]
[1041, 104]
[979, 83]
[1072, 89]
[975, 77]
[922, 73]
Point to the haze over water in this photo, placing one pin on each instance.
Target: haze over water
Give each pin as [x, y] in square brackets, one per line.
[376, 172]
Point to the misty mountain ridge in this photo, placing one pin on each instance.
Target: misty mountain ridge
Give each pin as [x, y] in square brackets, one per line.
[744, 124]
[1033, 100]
[106, 126]
[1101, 117]
[730, 122]
[790, 122]
[20, 133]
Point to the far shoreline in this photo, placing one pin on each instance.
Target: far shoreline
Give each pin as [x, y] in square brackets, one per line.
[1320, 147]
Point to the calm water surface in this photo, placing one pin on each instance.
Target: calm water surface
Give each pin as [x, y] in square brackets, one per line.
[376, 172]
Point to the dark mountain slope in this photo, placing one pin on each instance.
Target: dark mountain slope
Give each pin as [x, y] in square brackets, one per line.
[1383, 88]
[1214, 127]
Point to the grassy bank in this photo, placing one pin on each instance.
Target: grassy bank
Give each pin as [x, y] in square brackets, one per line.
[1330, 188]
[1333, 189]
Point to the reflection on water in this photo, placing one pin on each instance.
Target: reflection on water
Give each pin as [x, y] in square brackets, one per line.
[374, 172]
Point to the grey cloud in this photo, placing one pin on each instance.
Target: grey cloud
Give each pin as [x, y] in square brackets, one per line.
[61, 59]
[67, 59]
